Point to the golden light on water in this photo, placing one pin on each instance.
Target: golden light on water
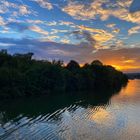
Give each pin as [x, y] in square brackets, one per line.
[101, 116]
[131, 89]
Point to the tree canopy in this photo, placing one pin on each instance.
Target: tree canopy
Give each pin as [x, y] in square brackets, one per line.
[21, 75]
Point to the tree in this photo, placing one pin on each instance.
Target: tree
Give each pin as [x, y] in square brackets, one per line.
[97, 62]
[73, 66]
[27, 56]
[20, 76]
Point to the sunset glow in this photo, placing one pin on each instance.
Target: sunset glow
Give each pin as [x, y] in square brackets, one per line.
[108, 30]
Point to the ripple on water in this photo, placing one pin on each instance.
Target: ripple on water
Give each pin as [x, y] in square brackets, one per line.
[117, 119]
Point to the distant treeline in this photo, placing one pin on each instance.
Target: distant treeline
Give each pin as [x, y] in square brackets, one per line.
[21, 76]
[133, 75]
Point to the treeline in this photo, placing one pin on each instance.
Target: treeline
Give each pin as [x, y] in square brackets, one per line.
[20, 76]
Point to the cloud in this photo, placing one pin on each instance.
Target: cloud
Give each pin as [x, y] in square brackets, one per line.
[65, 41]
[48, 49]
[15, 9]
[37, 29]
[85, 36]
[67, 23]
[49, 38]
[53, 23]
[97, 9]
[98, 36]
[5, 5]
[21, 27]
[61, 23]
[116, 31]
[2, 22]
[58, 52]
[134, 30]
[133, 17]
[125, 3]
[94, 30]
[6, 44]
[127, 59]
[112, 25]
[35, 21]
[55, 31]
[23, 10]
[44, 4]
[76, 11]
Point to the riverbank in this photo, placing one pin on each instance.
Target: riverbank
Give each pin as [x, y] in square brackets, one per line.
[22, 76]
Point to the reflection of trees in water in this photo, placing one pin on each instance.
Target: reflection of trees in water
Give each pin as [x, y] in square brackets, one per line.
[33, 107]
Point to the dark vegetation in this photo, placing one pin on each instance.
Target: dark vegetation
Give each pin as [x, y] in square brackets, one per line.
[21, 76]
[133, 75]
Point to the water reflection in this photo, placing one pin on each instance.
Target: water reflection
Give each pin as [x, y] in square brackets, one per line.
[34, 107]
[73, 117]
[130, 93]
[131, 89]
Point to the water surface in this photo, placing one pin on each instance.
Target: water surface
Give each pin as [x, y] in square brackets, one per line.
[73, 118]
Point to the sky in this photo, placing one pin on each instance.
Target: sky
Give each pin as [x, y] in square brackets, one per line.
[82, 30]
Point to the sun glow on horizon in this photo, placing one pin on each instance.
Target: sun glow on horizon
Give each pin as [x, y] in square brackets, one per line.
[73, 30]
[126, 68]
[117, 67]
[125, 65]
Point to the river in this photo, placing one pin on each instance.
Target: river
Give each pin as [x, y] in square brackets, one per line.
[73, 118]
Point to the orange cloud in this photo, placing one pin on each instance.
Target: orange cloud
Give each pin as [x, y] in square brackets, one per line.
[123, 59]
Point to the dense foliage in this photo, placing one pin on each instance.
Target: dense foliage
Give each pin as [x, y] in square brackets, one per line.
[20, 76]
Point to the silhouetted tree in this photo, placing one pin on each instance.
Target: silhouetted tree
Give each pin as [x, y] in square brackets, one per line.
[97, 62]
[73, 66]
[20, 76]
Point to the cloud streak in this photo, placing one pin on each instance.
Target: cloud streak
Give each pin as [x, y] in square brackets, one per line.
[97, 9]
[44, 4]
[134, 30]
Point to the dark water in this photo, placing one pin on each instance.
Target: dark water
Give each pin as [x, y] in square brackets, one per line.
[73, 118]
